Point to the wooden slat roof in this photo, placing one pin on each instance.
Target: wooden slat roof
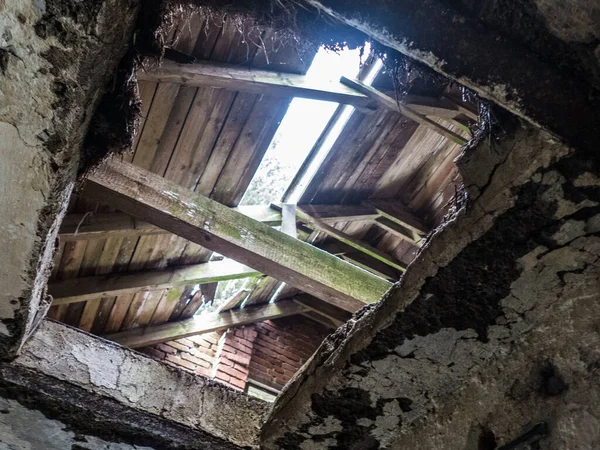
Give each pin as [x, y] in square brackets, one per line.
[212, 141]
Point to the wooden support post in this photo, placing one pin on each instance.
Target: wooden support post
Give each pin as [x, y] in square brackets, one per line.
[206, 323]
[403, 109]
[214, 226]
[87, 288]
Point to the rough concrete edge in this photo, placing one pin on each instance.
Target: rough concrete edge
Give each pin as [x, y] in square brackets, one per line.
[110, 370]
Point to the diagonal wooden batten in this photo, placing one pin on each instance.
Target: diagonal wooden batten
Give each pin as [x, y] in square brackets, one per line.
[403, 109]
[214, 226]
[206, 323]
[87, 288]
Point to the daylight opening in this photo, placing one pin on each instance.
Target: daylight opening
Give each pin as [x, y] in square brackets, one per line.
[300, 129]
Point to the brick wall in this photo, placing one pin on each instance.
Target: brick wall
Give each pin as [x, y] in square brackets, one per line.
[269, 352]
[195, 354]
[233, 360]
[281, 347]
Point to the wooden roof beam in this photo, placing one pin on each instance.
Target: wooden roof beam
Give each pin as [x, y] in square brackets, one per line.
[404, 109]
[117, 224]
[87, 288]
[235, 78]
[206, 323]
[358, 244]
[244, 79]
[214, 226]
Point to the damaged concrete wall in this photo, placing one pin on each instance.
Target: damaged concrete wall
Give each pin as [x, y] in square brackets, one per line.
[223, 418]
[491, 330]
[55, 58]
[23, 428]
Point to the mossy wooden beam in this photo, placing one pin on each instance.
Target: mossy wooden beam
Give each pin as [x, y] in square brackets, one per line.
[206, 323]
[208, 223]
[83, 289]
[404, 109]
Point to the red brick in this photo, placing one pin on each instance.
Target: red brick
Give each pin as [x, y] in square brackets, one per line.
[157, 354]
[203, 372]
[186, 342]
[197, 361]
[178, 346]
[232, 372]
[241, 384]
[242, 369]
[202, 354]
[166, 349]
[224, 361]
[201, 341]
[220, 375]
[240, 358]
[181, 362]
[228, 349]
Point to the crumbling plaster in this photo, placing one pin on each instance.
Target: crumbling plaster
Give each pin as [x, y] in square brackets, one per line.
[25, 429]
[138, 382]
[507, 289]
[55, 58]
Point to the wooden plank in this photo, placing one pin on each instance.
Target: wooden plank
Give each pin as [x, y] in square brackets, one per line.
[351, 241]
[235, 78]
[230, 233]
[401, 231]
[83, 227]
[208, 295]
[395, 212]
[403, 109]
[82, 289]
[206, 323]
[340, 213]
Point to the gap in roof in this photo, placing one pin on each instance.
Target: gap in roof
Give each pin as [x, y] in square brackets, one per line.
[300, 129]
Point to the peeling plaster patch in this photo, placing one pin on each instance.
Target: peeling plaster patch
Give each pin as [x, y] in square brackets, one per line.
[106, 376]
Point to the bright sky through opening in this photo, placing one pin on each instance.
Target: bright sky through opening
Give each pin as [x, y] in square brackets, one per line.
[299, 130]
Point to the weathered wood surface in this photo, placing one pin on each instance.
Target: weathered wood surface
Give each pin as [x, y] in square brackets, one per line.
[403, 109]
[230, 233]
[351, 241]
[88, 288]
[206, 323]
[77, 227]
[254, 81]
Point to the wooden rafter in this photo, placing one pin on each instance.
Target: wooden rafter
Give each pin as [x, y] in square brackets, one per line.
[206, 323]
[214, 226]
[243, 79]
[351, 241]
[404, 109]
[87, 288]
